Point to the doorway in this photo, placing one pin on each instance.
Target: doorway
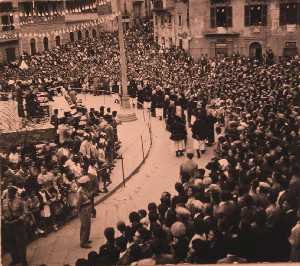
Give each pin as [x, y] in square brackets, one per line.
[57, 41]
[33, 46]
[255, 50]
[10, 54]
[46, 44]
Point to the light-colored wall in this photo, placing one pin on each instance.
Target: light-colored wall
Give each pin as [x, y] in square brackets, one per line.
[271, 36]
[173, 30]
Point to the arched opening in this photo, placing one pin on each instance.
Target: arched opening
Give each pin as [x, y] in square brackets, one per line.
[72, 39]
[94, 33]
[87, 34]
[33, 46]
[57, 40]
[255, 50]
[79, 34]
[46, 44]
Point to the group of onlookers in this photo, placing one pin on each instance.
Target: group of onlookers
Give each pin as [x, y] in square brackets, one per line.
[245, 205]
[42, 179]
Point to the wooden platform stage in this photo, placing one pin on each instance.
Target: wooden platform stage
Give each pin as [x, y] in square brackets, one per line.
[39, 133]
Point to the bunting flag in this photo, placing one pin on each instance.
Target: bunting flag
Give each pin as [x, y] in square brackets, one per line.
[46, 15]
[65, 29]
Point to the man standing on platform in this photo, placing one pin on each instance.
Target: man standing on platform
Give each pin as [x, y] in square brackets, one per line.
[85, 211]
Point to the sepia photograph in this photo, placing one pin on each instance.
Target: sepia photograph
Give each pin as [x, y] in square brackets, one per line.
[149, 132]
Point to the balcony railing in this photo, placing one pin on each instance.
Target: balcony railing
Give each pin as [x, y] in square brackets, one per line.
[220, 31]
[8, 36]
[81, 17]
[29, 20]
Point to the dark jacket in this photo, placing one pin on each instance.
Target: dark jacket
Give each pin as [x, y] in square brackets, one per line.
[158, 100]
[200, 129]
[178, 129]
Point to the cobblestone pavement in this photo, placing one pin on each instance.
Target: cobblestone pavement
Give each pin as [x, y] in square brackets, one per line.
[158, 174]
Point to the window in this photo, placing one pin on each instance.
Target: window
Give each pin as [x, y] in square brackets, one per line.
[79, 34]
[163, 41]
[180, 43]
[46, 44]
[289, 13]
[155, 20]
[57, 41]
[170, 42]
[6, 7]
[87, 34]
[72, 39]
[180, 20]
[33, 46]
[7, 22]
[256, 15]
[221, 16]
[170, 19]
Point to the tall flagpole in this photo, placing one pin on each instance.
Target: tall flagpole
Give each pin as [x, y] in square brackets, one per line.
[123, 62]
[127, 113]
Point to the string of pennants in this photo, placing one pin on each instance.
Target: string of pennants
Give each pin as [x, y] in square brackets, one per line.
[51, 15]
[63, 30]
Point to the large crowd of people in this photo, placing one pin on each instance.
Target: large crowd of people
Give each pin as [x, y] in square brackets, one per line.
[244, 206]
[42, 180]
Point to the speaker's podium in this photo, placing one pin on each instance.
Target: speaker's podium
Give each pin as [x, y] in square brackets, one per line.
[127, 113]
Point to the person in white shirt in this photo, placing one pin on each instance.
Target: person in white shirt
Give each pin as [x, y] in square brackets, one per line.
[85, 147]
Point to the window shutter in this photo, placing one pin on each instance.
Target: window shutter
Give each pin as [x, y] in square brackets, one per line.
[228, 16]
[264, 15]
[247, 16]
[213, 17]
[282, 18]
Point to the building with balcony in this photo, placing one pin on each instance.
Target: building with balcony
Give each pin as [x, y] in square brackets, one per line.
[9, 40]
[224, 27]
[29, 26]
[171, 23]
[133, 10]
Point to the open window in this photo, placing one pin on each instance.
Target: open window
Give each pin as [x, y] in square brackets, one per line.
[7, 22]
[289, 13]
[256, 15]
[221, 16]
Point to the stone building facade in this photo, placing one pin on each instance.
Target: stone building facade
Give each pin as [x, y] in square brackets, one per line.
[133, 10]
[35, 26]
[224, 27]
